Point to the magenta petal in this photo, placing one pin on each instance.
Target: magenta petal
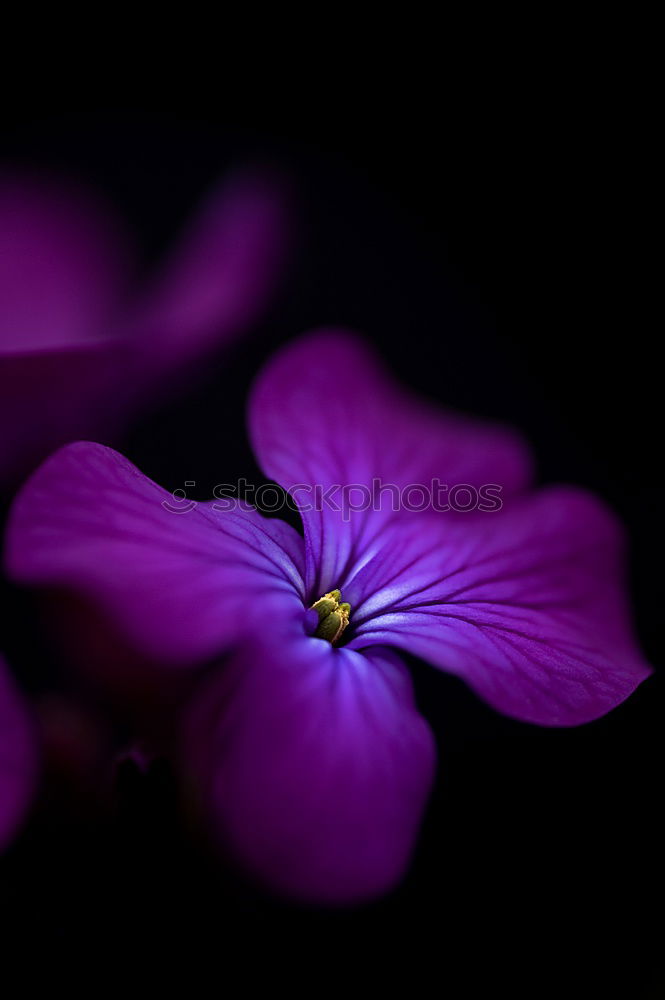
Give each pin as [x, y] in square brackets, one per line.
[18, 757]
[62, 270]
[316, 766]
[180, 586]
[527, 605]
[62, 266]
[324, 412]
[50, 397]
[70, 365]
[219, 278]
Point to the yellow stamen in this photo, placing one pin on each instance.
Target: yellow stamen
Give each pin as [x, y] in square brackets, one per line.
[334, 615]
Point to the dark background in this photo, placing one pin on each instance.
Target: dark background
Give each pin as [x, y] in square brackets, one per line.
[495, 263]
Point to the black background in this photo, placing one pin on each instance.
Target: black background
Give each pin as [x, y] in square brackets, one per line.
[494, 261]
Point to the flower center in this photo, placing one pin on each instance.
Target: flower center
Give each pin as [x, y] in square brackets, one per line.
[333, 615]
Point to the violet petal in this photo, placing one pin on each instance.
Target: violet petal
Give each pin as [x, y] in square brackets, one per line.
[324, 413]
[180, 585]
[315, 765]
[527, 605]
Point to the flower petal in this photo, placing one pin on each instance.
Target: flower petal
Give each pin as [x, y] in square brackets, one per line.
[70, 365]
[219, 277]
[324, 413]
[18, 757]
[50, 397]
[181, 585]
[315, 765]
[62, 266]
[527, 605]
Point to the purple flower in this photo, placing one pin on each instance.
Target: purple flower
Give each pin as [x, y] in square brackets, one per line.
[78, 352]
[18, 757]
[310, 751]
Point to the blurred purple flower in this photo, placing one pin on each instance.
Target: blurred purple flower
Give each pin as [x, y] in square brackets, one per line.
[18, 757]
[78, 352]
[312, 756]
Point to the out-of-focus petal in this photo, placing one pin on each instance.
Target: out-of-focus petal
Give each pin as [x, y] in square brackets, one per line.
[63, 265]
[63, 270]
[75, 360]
[219, 278]
[180, 585]
[528, 605]
[325, 413]
[18, 757]
[50, 397]
[315, 765]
